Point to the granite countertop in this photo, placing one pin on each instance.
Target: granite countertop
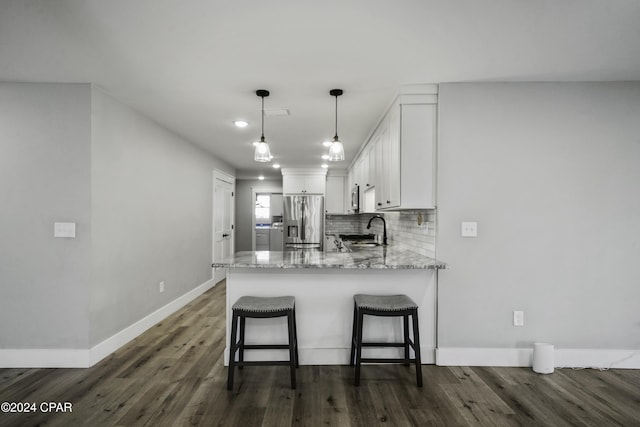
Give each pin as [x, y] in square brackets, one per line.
[378, 257]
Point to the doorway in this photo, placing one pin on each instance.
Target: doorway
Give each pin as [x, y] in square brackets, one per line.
[223, 220]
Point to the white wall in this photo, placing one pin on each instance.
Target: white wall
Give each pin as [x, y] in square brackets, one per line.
[551, 173]
[142, 201]
[152, 216]
[45, 177]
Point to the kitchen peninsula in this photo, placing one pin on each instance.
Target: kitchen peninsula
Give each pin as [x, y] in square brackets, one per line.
[323, 284]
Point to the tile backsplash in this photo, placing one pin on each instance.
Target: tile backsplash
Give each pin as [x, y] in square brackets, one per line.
[402, 228]
[343, 224]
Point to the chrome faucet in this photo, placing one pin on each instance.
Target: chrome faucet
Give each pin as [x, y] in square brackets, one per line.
[384, 228]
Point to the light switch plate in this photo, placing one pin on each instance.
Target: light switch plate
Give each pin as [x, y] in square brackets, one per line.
[469, 229]
[518, 318]
[64, 229]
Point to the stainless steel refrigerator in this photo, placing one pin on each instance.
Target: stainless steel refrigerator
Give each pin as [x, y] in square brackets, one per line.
[303, 222]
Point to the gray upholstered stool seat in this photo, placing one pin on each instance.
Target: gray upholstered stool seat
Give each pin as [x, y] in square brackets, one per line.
[384, 302]
[385, 306]
[250, 307]
[264, 304]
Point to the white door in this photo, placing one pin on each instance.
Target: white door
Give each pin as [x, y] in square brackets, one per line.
[223, 215]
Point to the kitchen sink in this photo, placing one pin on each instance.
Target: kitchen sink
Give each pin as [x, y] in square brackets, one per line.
[356, 241]
[365, 238]
[363, 244]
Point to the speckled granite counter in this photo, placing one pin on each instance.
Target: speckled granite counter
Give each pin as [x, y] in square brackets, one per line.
[378, 257]
[323, 285]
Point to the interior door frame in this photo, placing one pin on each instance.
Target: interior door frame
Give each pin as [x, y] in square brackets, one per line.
[218, 274]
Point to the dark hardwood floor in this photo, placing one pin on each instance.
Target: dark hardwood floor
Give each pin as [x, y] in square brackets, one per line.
[173, 375]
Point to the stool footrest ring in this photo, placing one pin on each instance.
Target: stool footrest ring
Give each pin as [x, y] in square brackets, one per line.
[385, 306]
[256, 308]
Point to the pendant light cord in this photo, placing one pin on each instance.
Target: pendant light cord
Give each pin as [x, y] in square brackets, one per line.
[262, 112]
[335, 138]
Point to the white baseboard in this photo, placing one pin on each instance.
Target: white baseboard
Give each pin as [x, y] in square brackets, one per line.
[84, 358]
[44, 358]
[597, 358]
[522, 357]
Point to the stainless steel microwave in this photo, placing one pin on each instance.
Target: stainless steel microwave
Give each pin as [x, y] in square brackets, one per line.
[355, 199]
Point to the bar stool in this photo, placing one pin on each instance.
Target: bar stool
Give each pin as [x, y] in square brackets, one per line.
[262, 307]
[387, 306]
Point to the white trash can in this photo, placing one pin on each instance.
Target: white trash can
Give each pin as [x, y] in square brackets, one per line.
[543, 361]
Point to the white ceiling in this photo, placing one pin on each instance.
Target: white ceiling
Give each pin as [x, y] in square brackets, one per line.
[194, 65]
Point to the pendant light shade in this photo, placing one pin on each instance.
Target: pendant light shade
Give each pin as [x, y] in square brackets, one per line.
[262, 152]
[336, 150]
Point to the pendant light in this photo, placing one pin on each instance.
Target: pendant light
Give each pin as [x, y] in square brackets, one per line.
[336, 150]
[262, 152]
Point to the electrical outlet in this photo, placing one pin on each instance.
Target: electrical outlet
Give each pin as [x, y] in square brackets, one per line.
[64, 229]
[469, 229]
[161, 286]
[518, 318]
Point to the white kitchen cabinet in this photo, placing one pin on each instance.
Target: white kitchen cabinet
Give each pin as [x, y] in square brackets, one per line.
[369, 202]
[413, 181]
[406, 142]
[388, 165]
[393, 153]
[301, 182]
[359, 172]
[370, 158]
[335, 200]
[363, 173]
[277, 205]
[262, 239]
[351, 182]
[382, 170]
[293, 184]
[400, 154]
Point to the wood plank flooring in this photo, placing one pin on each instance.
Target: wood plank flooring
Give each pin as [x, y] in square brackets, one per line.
[173, 375]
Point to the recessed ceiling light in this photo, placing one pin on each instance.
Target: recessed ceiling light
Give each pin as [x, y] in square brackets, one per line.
[325, 157]
[324, 165]
[327, 143]
[276, 166]
[261, 178]
[241, 123]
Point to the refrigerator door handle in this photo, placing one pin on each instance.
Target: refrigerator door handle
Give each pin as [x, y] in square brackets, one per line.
[302, 227]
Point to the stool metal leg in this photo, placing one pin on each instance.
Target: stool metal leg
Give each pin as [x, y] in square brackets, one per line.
[416, 347]
[241, 343]
[292, 356]
[353, 337]
[360, 318]
[405, 327]
[295, 338]
[232, 351]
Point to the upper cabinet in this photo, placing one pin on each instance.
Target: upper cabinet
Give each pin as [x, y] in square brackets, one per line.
[401, 151]
[335, 200]
[303, 181]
